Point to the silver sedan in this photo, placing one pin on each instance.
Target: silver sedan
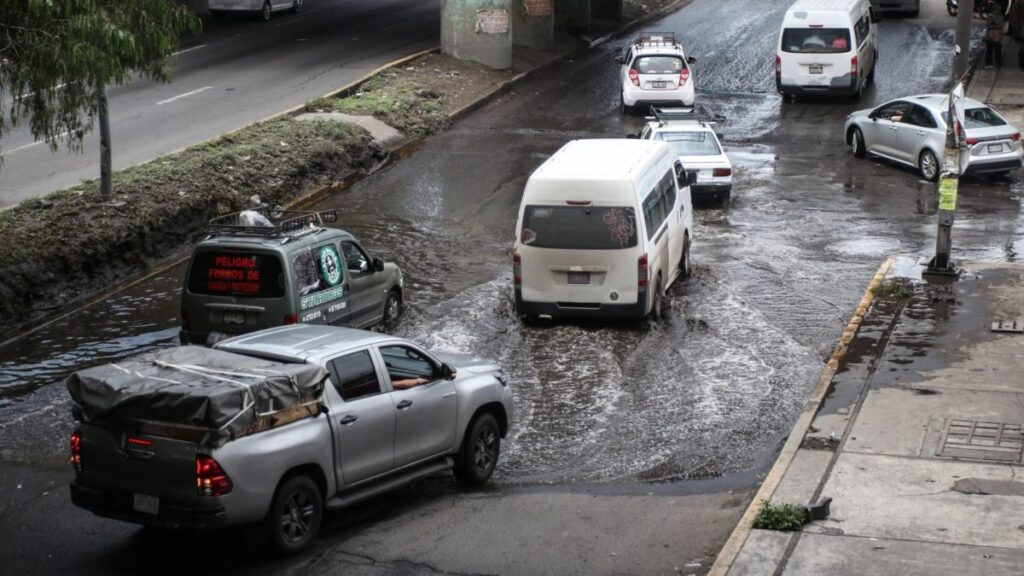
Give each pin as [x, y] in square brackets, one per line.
[912, 131]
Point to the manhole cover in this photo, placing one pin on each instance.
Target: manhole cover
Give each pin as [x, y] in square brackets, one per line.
[1014, 326]
[987, 441]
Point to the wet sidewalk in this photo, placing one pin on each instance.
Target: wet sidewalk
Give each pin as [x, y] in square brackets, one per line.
[1002, 88]
[914, 432]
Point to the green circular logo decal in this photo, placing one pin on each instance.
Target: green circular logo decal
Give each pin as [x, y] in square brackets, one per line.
[330, 265]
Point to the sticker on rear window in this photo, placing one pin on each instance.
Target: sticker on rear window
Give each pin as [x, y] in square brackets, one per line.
[528, 236]
[620, 223]
[330, 265]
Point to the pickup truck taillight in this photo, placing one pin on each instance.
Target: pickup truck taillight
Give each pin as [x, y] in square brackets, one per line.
[76, 451]
[211, 480]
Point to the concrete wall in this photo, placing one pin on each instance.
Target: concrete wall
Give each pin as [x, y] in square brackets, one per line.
[533, 23]
[573, 14]
[606, 9]
[478, 30]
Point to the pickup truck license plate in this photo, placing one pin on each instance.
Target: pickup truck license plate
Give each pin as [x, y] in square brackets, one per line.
[993, 148]
[146, 504]
[579, 277]
[814, 69]
[234, 317]
[659, 84]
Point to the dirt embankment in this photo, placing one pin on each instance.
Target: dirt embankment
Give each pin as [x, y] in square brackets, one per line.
[72, 243]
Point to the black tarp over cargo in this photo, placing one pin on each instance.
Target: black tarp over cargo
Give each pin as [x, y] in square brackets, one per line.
[194, 386]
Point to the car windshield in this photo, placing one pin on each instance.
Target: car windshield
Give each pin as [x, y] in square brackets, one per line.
[816, 40]
[579, 227]
[239, 274]
[983, 117]
[658, 64]
[690, 143]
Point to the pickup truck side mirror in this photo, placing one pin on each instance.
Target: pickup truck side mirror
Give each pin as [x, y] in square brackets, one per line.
[447, 372]
[378, 265]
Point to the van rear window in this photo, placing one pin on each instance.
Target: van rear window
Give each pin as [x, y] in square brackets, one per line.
[240, 274]
[659, 64]
[816, 40]
[579, 227]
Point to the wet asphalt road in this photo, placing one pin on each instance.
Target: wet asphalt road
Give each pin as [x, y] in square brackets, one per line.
[623, 414]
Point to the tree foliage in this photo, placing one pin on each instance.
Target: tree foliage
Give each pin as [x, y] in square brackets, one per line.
[56, 55]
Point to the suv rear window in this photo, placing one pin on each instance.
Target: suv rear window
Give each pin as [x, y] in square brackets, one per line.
[579, 227]
[816, 40]
[251, 275]
[690, 143]
[659, 64]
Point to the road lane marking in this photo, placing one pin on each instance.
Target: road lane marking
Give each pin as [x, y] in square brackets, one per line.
[179, 52]
[36, 143]
[185, 95]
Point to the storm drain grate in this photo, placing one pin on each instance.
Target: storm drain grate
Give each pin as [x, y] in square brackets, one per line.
[988, 441]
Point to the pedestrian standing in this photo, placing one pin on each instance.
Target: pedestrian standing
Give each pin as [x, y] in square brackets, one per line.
[994, 36]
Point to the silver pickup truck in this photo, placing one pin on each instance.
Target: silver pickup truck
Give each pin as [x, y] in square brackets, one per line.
[388, 413]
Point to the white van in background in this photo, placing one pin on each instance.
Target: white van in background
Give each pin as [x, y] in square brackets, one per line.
[826, 47]
[604, 229]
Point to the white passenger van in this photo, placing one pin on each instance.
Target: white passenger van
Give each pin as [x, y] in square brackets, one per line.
[826, 47]
[604, 229]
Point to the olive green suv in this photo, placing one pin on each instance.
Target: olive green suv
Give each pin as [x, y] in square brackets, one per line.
[262, 268]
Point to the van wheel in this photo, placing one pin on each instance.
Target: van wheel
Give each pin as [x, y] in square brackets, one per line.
[295, 514]
[479, 453]
[657, 310]
[684, 262]
[392, 311]
[871, 74]
[266, 11]
[296, 6]
[856, 142]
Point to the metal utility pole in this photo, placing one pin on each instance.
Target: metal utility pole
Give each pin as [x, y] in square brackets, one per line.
[949, 178]
[104, 118]
[962, 49]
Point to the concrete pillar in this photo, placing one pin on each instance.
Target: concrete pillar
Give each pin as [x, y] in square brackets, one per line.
[478, 30]
[533, 23]
[573, 14]
[607, 9]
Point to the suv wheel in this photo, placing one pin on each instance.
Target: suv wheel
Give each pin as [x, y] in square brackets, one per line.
[295, 515]
[392, 311]
[478, 456]
[684, 262]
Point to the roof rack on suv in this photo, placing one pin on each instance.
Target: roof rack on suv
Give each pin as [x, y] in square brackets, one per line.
[665, 115]
[281, 222]
[656, 39]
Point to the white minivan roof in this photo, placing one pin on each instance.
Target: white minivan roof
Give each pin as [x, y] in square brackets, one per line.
[824, 5]
[606, 159]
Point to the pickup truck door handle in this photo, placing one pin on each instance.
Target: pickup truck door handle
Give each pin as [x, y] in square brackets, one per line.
[348, 419]
[448, 395]
[404, 404]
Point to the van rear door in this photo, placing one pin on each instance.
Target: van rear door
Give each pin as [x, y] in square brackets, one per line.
[812, 56]
[579, 253]
[234, 291]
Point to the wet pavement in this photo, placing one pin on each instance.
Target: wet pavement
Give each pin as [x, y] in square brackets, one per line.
[706, 395]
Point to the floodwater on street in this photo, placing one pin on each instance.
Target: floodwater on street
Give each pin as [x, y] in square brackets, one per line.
[706, 393]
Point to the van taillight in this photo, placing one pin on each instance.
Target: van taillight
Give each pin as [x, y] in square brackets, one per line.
[634, 77]
[641, 272]
[684, 77]
[517, 269]
[722, 172]
[76, 450]
[210, 477]
[853, 65]
[778, 65]
[290, 319]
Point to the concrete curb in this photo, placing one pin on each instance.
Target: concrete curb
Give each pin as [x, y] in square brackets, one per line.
[731, 550]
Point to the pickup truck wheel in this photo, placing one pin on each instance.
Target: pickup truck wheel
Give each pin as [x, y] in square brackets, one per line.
[684, 262]
[392, 311]
[295, 515]
[478, 456]
[657, 308]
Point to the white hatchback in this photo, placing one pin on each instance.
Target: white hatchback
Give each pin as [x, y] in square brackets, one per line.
[656, 72]
[696, 144]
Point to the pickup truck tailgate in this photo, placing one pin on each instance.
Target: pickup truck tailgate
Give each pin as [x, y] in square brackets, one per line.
[138, 463]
